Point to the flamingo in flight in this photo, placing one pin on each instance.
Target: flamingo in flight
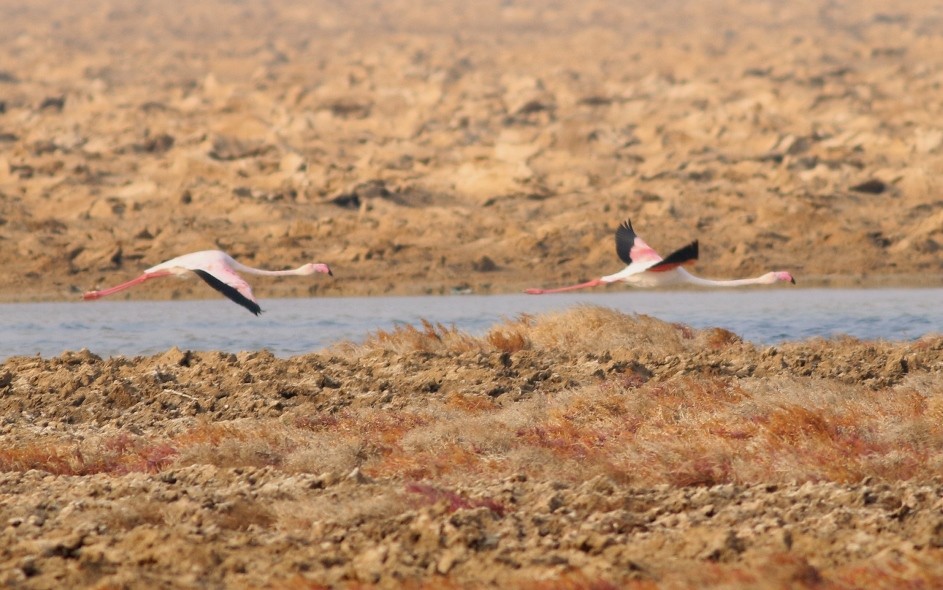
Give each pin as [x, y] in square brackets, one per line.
[647, 269]
[218, 269]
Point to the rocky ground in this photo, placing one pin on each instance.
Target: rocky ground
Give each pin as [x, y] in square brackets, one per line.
[428, 147]
[538, 456]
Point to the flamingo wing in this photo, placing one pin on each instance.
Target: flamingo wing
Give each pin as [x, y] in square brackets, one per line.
[631, 248]
[231, 285]
[677, 258]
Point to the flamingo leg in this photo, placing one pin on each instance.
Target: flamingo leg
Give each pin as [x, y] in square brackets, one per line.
[593, 283]
[136, 281]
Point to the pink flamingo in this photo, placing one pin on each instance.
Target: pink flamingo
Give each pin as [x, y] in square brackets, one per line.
[218, 269]
[647, 269]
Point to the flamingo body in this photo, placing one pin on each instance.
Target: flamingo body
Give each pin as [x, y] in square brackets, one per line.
[646, 268]
[218, 270]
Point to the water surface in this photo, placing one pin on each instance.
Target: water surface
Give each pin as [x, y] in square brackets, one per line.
[296, 326]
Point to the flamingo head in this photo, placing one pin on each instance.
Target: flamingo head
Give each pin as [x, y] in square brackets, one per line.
[314, 267]
[779, 275]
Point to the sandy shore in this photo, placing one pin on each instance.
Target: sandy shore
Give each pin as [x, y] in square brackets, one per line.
[430, 147]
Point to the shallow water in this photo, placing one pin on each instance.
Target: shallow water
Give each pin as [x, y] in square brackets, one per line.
[296, 326]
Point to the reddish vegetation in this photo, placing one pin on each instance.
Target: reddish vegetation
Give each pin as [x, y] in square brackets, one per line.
[453, 501]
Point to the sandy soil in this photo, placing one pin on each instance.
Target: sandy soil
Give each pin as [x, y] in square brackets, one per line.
[428, 147]
[424, 147]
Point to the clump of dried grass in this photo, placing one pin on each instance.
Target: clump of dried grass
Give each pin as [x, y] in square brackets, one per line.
[890, 572]
[681, 431]
[404, 338]
[581, 329]
[119, 454]
[780, 430]
[595, 329]
[510, 340]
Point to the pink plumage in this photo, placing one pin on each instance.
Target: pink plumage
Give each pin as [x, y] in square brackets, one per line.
[646, 268]
[218, 270]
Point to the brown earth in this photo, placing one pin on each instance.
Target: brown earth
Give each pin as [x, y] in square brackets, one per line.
[540, 456]
[421, 147]
[491, 146]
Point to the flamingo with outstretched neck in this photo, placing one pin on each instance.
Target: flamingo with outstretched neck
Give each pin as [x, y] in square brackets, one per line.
[219, 270]
[646, 268]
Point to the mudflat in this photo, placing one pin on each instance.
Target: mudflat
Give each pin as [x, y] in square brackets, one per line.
[490, 146]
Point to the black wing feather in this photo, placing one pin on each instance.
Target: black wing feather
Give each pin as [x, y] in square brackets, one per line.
[680, 256]
[625, 239]
[228, 291]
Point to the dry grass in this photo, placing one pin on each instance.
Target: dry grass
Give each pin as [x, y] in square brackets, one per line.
[405, 338]
[119, 454]
[584, 328]
[684, 430]
[593, 329]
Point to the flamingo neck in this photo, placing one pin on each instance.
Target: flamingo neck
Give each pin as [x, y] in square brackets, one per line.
[301, 270]
[696, 280]
[724, 283]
